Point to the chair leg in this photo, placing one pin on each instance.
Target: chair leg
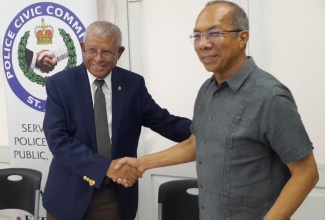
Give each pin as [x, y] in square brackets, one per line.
[36, 208]
[159, 211]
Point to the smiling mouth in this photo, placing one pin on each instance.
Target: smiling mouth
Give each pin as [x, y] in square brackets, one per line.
[208, 58]
[97, 66]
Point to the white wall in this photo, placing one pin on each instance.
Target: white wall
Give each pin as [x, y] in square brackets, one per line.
[4, 141]
[169, 63]
[3, 119]
[293, 43]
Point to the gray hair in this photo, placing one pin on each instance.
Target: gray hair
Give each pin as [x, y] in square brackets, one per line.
[104, 28]
[239, 18]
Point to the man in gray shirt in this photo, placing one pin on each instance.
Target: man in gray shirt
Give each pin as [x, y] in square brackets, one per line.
[254, 157]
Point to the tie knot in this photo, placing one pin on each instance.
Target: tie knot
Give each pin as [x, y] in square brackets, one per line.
[99, 83]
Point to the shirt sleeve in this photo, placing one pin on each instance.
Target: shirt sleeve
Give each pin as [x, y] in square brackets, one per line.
[285, 130]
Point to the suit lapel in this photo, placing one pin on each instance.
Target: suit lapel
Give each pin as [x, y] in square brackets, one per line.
[118, 99]
[86, 105]
[85, 102]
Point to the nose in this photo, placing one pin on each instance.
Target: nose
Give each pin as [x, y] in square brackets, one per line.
[98, 55]
[204, 43]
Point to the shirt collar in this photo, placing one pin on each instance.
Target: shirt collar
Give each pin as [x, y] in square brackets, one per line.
[239, 77]
[107, 79]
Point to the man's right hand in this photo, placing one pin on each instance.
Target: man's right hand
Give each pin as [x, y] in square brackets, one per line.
[134, 162]
[126, 173]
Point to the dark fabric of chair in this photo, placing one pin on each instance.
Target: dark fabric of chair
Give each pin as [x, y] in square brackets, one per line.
[175, 203]
[20, 193]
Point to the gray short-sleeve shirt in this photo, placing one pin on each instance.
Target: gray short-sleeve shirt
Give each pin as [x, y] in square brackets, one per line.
[246, 129]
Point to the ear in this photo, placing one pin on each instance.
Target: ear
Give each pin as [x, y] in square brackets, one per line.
[120, 51]
[243, 38]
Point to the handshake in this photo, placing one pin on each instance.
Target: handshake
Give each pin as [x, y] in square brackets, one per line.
[46, 60]
[125, 171]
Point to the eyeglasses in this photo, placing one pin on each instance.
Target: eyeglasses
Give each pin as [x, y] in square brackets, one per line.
[213, 35]
[105, 53]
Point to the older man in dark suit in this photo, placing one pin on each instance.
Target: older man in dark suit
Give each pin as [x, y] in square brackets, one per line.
[79, 184]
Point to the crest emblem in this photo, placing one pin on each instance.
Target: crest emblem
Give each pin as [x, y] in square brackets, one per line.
[55, 31]
[44, 33]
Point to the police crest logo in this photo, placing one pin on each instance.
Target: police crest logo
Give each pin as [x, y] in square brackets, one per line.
[41, 40]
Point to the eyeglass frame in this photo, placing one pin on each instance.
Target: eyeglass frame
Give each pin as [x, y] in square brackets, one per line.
[104, 53]
[210, 37]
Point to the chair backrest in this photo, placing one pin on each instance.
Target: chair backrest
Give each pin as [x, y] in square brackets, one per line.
[176, 203]
[20, 194]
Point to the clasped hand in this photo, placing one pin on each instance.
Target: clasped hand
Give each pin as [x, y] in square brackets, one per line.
[125, 171]
[45, 61]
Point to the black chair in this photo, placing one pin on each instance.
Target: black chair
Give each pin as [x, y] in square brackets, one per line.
[175, 202]
[20, 189]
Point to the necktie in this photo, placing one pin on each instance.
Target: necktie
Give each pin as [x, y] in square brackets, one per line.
[101, 122]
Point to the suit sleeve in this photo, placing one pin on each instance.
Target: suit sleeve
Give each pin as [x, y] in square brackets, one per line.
[63, 140]
[158, 119]
[29, 58]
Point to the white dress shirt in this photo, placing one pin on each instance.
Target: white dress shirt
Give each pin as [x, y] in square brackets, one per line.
[107, 89]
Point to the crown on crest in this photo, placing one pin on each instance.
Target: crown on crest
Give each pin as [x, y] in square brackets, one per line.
[44, 33]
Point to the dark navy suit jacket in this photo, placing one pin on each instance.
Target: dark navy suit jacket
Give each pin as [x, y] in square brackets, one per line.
[69, 128]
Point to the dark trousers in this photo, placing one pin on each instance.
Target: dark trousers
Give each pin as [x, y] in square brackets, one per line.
[103, 205]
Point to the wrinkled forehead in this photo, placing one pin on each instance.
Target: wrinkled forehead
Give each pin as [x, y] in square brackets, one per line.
[214, 16]
[96, 36]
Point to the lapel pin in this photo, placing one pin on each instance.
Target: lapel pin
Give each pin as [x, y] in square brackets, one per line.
[119, 88]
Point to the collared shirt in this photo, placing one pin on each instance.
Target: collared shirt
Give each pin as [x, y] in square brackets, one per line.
[107, 89]
[247, 129]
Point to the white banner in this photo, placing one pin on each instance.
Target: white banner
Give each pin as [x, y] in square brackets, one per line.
[31, 30]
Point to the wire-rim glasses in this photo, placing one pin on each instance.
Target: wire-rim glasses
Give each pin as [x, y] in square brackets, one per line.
[213, 35]
[104, 53]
